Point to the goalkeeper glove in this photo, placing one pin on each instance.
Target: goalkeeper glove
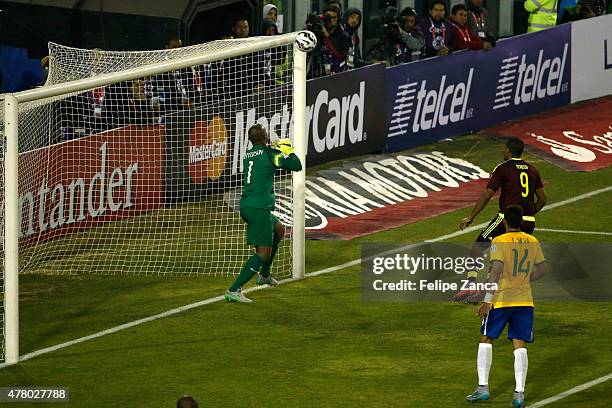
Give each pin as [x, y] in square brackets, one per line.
[284, 145]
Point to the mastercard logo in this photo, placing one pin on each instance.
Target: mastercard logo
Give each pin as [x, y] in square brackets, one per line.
[207, 150]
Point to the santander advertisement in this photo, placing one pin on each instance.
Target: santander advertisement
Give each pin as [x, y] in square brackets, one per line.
[77, 185]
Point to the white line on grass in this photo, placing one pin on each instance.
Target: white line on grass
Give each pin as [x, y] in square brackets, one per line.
[208, 301]
[574, 232]
[124, 326]
[571, 391]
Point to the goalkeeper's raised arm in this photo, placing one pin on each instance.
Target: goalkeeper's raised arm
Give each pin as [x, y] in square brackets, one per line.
[288, 160]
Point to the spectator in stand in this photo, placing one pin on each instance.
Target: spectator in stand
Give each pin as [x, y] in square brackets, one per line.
[270, 11]
[335, 4]
[184, 80]
[463, 37]
[94, 107]
[478, 21]
[601, 7]
[237, 77]
[110, 107]
[275, 60]
[240, 28]
[580, 11]
[413, 39]
[269, 27]
[141, 110]
[44, 65]
[153, 97]
[333, 45]
[146, 102]
[563, 4]
[187, 401]
[351, 22]
[585, 9]
[175, 90]
[173, 42]
[542, 14]
[92, 111]
[438, 32]
[519, 17]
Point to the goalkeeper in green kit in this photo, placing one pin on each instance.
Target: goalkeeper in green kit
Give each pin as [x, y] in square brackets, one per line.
[264, 230]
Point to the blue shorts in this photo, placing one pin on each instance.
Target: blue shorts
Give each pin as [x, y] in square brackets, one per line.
[518, 318]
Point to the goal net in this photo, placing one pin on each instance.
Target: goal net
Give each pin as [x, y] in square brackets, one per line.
[143, 176]
[131, 162]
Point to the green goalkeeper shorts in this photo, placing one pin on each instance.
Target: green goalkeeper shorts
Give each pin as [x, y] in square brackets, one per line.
[260, 226]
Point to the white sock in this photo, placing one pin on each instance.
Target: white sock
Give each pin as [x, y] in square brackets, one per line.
[485, 357]
[520, 368]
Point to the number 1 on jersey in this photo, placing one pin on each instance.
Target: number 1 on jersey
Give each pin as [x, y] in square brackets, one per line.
[525, 183]
[249, 172]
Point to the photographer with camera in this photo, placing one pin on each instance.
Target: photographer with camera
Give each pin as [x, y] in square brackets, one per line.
[437, 31]
[400, 39]
[333, 43]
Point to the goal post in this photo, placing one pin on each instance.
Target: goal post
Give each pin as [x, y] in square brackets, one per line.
[34, 114]
[301, 147]
[11, 231]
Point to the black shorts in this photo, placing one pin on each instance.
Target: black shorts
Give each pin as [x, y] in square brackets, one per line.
[496, 228]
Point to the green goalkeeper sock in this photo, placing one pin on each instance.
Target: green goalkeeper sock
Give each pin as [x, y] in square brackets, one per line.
[265, 269]
[250, 268]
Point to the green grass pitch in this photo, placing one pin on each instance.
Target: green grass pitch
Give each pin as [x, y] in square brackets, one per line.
[314, 343]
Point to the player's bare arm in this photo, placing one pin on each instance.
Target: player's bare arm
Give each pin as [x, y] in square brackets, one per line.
[541, 202]
[540, 270]
[497, 268]
[482, 202]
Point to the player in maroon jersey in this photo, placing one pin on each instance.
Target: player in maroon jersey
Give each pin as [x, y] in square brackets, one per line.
[520, 183]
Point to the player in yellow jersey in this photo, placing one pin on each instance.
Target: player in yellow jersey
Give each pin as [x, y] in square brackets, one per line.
[516, 261]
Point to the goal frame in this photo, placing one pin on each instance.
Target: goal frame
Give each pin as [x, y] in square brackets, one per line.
[11, 172]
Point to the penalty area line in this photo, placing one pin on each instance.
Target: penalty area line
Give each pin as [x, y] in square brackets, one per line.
[216, 299]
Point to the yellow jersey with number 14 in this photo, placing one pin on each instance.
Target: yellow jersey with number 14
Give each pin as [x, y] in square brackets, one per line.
[520, 253]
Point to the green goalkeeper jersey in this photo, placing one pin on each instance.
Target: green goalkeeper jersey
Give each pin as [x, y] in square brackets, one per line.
[260, 164]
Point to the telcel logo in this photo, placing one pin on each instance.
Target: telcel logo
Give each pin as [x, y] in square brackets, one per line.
[534, 80]
[526, 81]
[441, 106]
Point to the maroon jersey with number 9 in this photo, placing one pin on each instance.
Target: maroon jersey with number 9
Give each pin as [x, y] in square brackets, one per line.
[518, 181]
